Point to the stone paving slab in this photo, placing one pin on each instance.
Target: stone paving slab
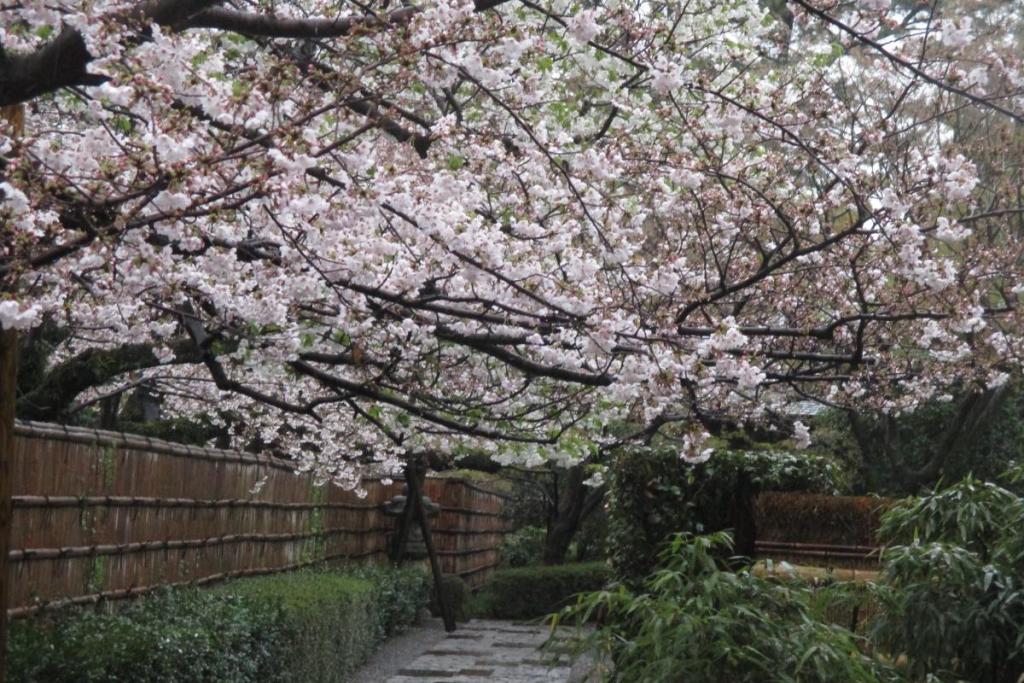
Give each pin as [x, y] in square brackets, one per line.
[484, 651]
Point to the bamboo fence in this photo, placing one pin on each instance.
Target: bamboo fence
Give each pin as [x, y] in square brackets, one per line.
[101, 515]
[820, 530]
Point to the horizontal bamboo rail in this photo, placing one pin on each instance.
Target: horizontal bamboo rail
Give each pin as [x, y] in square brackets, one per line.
[26, 554]
[101, 437]
[139, 501]
[862, 550]
[475, 570]
[472, 512]
[820, 553]
[132, 592]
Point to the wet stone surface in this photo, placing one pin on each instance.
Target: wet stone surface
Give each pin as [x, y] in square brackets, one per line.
[488, 651]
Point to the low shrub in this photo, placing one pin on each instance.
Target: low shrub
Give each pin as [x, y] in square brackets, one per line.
[692, 621]
[329, 622]
[175, 636]
[314, 626]
[457, 596]
[522, 547]
[400, 594]
[529, 592]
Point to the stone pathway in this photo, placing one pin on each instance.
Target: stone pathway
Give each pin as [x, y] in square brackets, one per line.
[482, 651]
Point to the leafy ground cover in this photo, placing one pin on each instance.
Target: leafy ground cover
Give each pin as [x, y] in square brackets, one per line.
[947, 605]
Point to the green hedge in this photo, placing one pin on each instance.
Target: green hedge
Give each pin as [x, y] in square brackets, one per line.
[529, 592]
[302, 626]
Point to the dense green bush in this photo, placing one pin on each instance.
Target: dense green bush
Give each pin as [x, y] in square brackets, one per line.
[522, 547]
[457, 595]
[330, 622]
[952, 592]
[691, 621]
[174, 636]
[528, 592]
[654, 494]
[303, 626]
[400, 594]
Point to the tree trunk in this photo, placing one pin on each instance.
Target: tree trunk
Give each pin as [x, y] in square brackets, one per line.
[576, 502]
[743, 518]
[8, 382]
[974, 416]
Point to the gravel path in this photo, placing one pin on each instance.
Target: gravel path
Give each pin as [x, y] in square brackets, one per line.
[398, 651]
[479, 651]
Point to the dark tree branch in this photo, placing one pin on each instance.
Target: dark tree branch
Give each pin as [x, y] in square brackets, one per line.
[370, 392]
[60, 63]
[52, 398]
[906, 64]
[64, 61]
[526, 365]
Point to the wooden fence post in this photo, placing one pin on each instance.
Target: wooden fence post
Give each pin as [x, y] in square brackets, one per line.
[8, 396]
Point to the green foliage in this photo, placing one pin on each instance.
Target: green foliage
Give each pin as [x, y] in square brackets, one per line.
[691, 621]
[952, 595]
[175, 636]
[977, 515]
[523, 547]
[457, 594]
[303, 626]
[911, 439]
[329, 621]
[399, 594]
[529, 592]
[654, 494]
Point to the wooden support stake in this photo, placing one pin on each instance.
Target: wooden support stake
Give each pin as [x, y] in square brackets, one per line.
[416, 497]
[8, 396]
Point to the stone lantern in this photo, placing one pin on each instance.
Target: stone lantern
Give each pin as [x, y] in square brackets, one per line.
[415, 546]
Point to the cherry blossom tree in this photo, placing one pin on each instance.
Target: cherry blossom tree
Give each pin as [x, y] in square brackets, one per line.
[358, 234]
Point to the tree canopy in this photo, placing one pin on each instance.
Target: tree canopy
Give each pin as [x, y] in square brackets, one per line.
[356, 232]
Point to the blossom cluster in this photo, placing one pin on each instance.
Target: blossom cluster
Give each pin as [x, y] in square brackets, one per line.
[504, 228]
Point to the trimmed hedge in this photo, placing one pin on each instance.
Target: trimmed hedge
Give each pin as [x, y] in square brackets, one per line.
[175, 636]
[530, 592]
[810, 518]
[315, 626]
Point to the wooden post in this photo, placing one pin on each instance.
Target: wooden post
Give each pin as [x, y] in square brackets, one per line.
[8, 395]
[416, 498]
